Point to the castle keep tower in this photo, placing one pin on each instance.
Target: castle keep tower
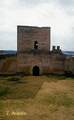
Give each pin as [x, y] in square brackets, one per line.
[27, 36]
[33, 46]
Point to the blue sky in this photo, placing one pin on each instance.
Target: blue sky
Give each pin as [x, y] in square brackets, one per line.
[58, 14]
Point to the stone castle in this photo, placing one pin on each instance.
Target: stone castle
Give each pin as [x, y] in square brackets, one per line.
[34, 56]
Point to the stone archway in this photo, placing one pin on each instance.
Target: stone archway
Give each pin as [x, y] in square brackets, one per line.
[35, 71]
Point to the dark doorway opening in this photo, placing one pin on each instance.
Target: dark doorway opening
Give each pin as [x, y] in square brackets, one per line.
[35, 71]
[36, 45]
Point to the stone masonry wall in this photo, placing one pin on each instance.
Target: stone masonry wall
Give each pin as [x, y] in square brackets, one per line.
[46, 63]
[69, 64]
[27, 35]
[8, 65]
[54, 64]
[28, 57]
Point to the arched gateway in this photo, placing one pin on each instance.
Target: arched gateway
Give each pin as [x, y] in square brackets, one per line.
[35, 71]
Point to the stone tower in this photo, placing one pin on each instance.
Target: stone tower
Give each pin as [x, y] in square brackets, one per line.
[33, 47]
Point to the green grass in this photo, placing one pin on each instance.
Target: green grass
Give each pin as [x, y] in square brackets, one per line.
[3, 91]
[1, 105]
[14, 78]
[59, 99]
[59, 77]
[19, 87]
[42, 97]
[29, 86]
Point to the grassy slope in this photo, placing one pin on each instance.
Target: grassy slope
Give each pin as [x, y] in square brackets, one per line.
[38, 98]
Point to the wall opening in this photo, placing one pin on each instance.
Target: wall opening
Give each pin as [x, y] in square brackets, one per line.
[35, 45]
[35, 71]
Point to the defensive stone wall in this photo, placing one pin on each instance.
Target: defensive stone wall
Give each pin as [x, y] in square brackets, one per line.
[47, 63]
[8, 65]
[55, 63]
[69, 64]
